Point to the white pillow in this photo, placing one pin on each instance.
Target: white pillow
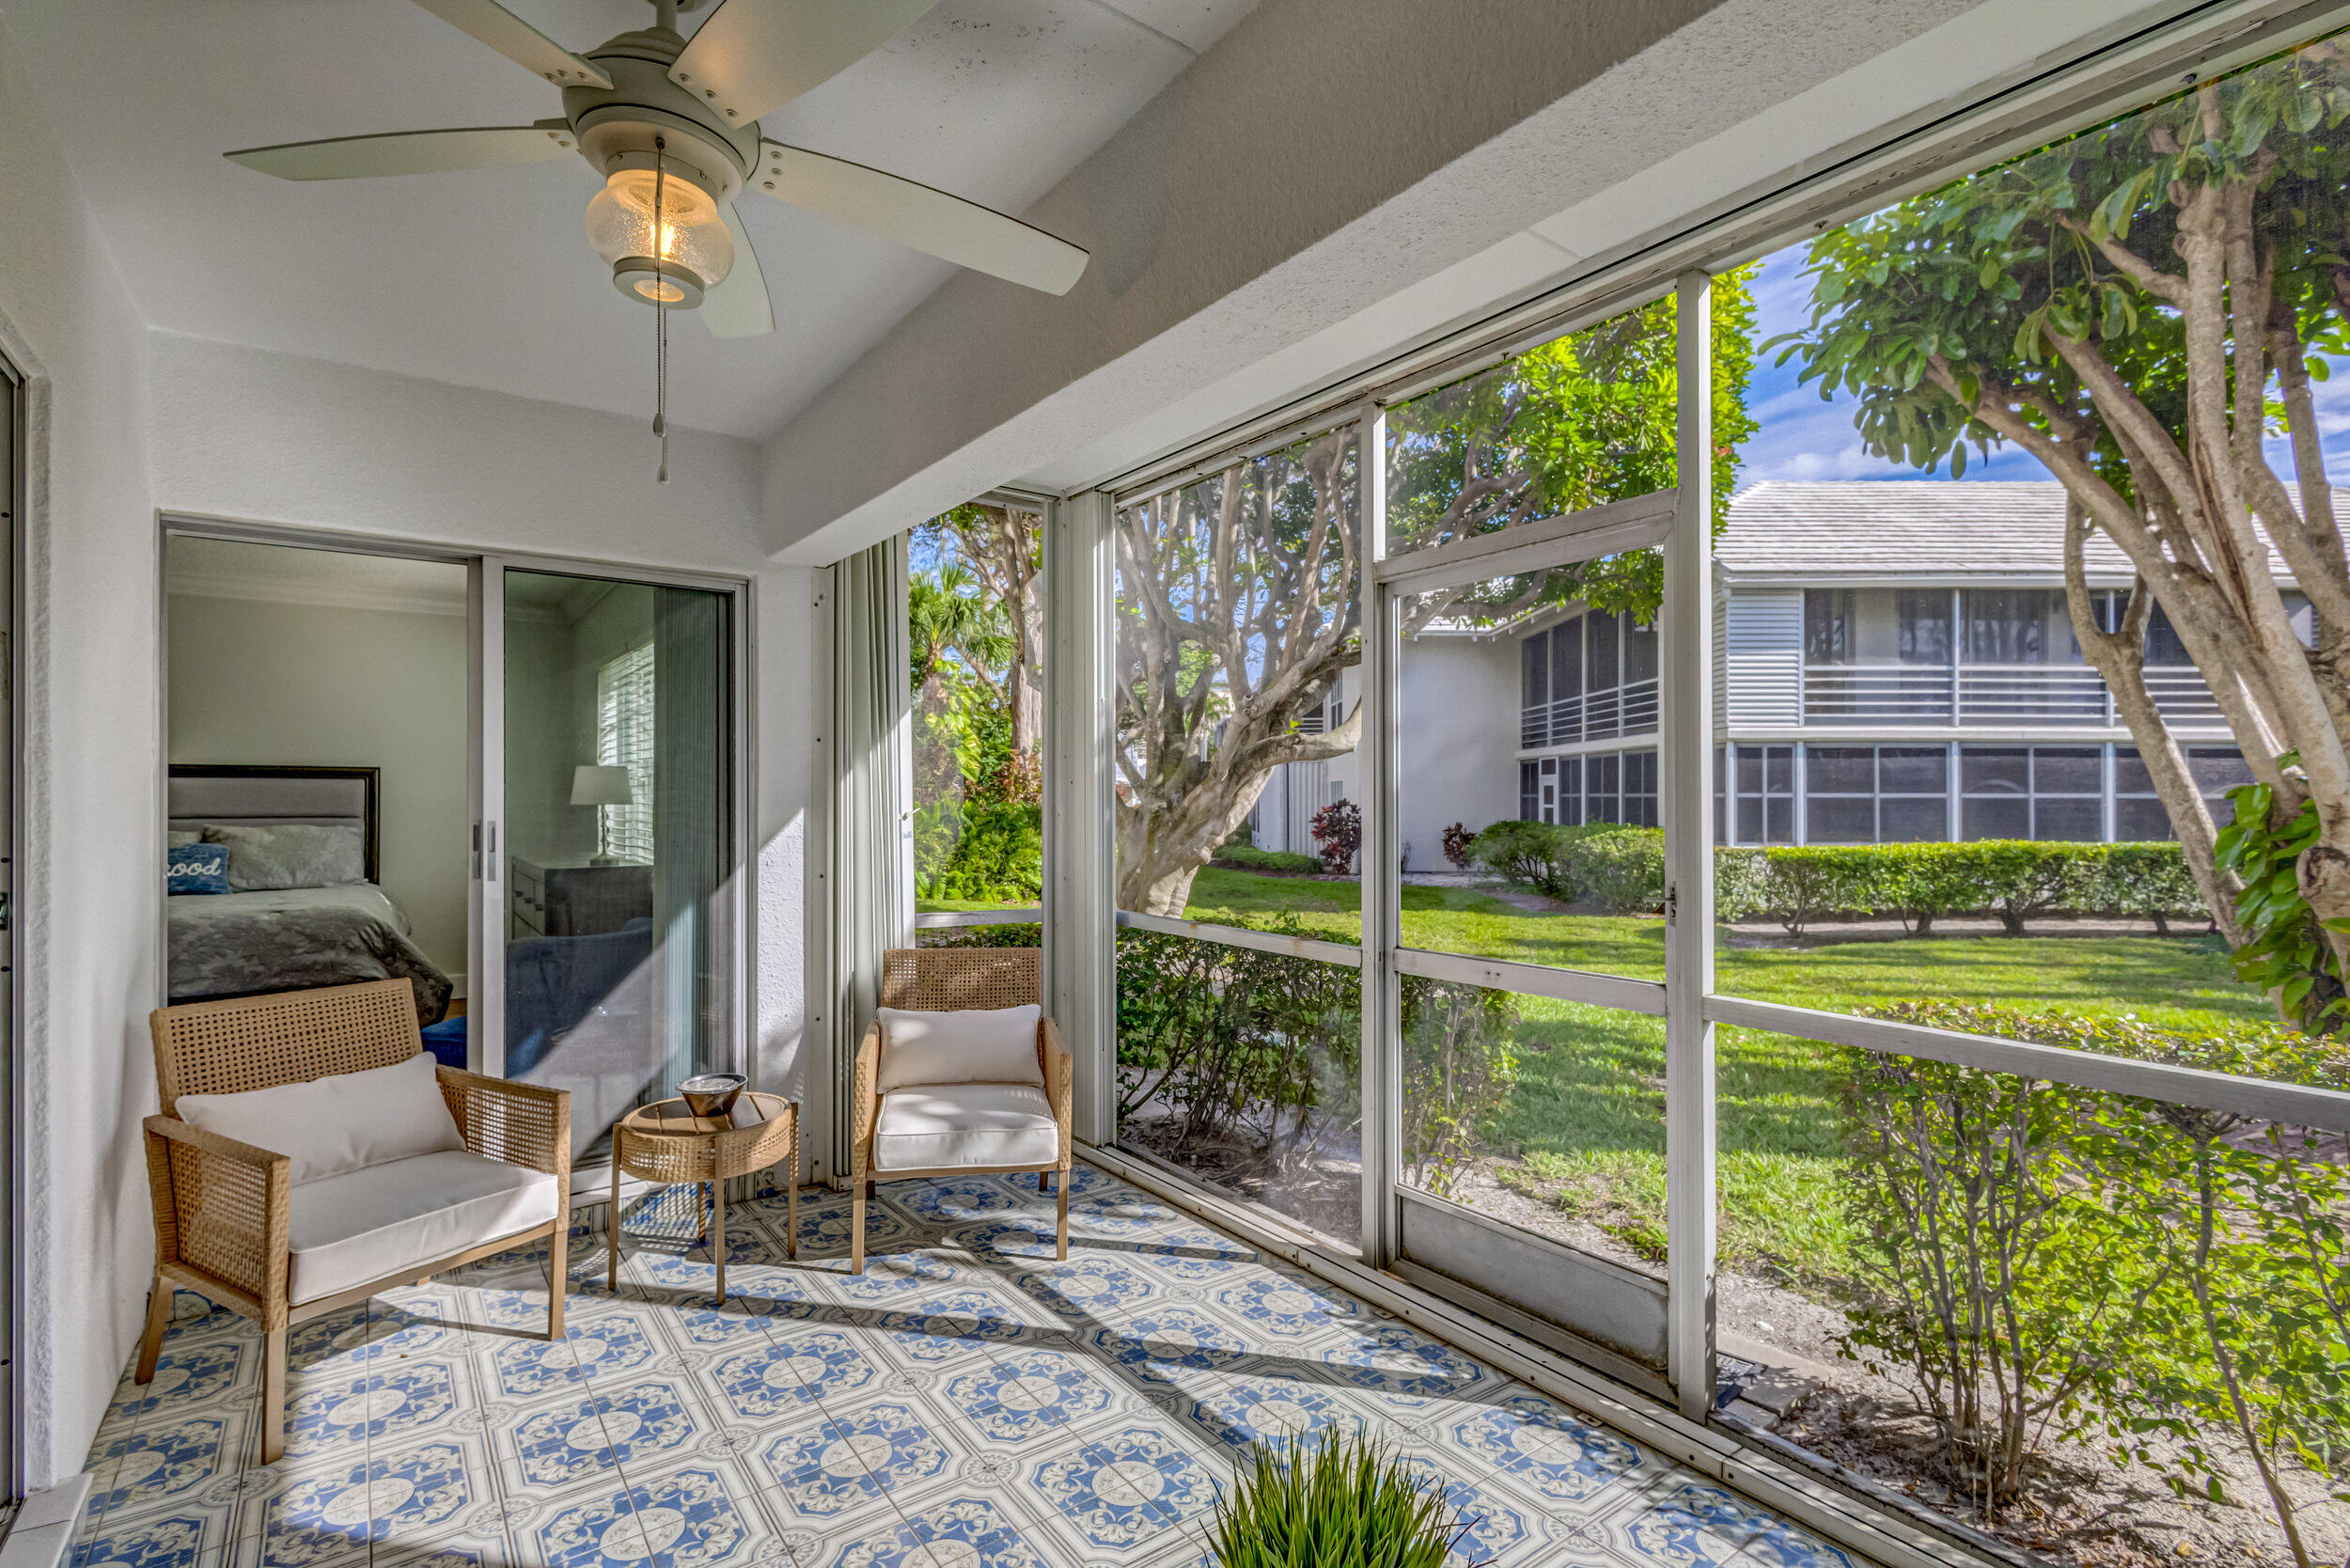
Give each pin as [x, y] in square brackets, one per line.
[975, 1046]
[339, 1123]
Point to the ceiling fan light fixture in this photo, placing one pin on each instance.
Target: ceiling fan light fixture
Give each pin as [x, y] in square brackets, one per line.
[692, 251]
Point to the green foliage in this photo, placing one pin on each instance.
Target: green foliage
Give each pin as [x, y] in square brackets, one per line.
[1460, 1063]
[1244, 857]
[1345, 1501]
[2286, 949]
[2010, 878]
[2034, 1255]
[1588, 419]
[996, 856]
[1982, 275]
[1617, 867]
[1255, 1050]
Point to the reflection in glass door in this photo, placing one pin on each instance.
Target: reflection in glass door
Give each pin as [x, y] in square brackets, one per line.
[608, 871]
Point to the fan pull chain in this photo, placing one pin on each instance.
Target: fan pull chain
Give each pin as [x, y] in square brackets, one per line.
[660, 314]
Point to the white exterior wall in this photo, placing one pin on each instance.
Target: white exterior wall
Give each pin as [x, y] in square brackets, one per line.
[1458, 759]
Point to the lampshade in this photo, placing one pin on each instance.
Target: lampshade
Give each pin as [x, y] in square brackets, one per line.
[596, 785]
[692, 255]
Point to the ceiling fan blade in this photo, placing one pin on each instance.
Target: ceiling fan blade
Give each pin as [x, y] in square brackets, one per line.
[753, 56]
[519, 41]
[739, 308]
[929, 220]
[411, 151]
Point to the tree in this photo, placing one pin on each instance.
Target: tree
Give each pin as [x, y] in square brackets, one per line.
[2139, 307]
[1002, 548]
[1239, 594]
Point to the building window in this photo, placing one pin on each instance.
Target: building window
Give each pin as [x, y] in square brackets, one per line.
[1603, 800]
[624, 708]
[2139, 815]
[1530, 791]
[2018, 626]
[1639, 788]
[1828, 630]
[2032, 791]
[1860, 794]
[1922, 625]
[1765, 780]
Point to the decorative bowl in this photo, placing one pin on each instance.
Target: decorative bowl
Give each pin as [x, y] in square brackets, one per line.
[711, 1094]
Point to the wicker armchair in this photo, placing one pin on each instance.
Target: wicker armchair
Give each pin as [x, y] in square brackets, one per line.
[947, 980]
[224, 1210]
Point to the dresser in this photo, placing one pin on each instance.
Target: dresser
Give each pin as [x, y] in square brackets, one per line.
[575, 900]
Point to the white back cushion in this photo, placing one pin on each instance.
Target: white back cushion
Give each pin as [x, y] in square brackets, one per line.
[976, 1045]
[339, 1123]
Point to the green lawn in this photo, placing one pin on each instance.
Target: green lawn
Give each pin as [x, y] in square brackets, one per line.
[1585, 1125]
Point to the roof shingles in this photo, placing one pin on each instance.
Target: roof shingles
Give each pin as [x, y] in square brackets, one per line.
[1919, 529]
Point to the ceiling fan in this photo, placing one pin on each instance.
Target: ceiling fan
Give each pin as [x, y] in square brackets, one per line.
[671, 126]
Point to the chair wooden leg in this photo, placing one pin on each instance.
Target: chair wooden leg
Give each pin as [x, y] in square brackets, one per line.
[558, 1271]
[791, 1210]
[869, 1189]
[857, 1231]
[1063, 1252]
[718, 1235]
[611, 1236]
[1043, 1182]
[158, 1318]
[272, 1396]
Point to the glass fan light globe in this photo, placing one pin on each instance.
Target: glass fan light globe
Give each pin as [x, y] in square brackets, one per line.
[692, 236]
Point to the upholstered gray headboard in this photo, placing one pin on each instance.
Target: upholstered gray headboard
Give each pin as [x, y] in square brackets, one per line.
[263, 795]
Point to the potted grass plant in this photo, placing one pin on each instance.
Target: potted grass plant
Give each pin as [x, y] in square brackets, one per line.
[1343, 1501]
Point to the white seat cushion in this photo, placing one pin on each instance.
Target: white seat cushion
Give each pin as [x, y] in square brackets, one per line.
[370, 1224]
[939, 1126]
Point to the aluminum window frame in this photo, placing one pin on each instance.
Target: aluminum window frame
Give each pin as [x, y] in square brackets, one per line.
[2106, 76]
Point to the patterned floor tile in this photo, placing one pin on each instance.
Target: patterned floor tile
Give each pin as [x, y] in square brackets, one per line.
[836, 1468]
[960, 1532]
[970, 1400]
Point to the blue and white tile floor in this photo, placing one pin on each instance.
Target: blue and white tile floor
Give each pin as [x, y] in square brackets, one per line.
[968, 1403]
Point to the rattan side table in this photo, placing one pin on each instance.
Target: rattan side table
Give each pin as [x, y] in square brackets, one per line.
[667, 1142]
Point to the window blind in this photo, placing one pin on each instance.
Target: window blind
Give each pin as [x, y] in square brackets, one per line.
[625, 738]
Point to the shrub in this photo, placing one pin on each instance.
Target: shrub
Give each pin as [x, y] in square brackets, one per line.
[1247, 1048]
[2035, 1256]
[1242, 857]
[1621, 869]
[1460, 1063]
[997, 855]
[1343, 1500]
[1337, 829]
[1579, 864]
[1457, 842]
[2014, 879]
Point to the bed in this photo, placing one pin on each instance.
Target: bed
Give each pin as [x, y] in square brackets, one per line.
[244, 943]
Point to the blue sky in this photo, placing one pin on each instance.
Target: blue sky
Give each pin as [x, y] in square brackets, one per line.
[1804, 438]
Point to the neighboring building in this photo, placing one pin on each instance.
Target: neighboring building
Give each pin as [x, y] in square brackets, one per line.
[1894, 661]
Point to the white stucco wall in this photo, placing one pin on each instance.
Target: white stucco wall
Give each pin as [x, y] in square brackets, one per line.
[86, 879]
[1457, 732]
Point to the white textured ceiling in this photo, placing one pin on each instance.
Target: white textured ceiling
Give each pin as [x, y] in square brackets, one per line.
[484, 277]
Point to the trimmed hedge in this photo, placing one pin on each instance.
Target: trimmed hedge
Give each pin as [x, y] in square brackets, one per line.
[1248, 857]
[1621, 870]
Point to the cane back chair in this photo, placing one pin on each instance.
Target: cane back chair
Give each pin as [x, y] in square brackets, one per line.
[223, 1209]
[948, 979]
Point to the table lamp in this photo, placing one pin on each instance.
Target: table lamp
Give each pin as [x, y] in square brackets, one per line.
[601, 784]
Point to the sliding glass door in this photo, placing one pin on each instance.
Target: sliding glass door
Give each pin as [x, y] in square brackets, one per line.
[606, 859]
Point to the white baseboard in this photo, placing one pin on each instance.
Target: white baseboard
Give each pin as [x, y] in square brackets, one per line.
[42, 1535]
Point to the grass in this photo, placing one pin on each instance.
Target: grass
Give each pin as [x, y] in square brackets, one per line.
[1584, 1128]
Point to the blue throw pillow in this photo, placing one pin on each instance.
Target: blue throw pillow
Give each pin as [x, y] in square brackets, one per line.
[196, 869]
